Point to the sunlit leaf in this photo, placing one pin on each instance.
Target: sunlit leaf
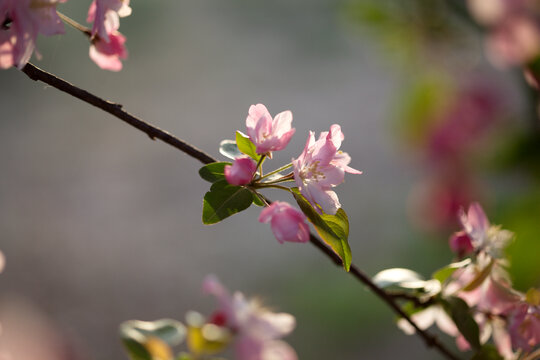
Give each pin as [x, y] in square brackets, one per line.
[213, 172]
[229, 149]
[444, 273]
[246, 146]
[399, 278]
[224, 200]
[460, 313]
[333, 229]
[151, 340]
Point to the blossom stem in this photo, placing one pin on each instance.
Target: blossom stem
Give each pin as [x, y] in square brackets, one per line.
[154, 132]
[276, 171]
[259, 167]
[266, 185]
[75, 24]
[286, 178]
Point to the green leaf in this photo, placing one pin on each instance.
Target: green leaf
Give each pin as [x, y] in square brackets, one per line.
[224, 200]
[447, 271]
[399, 278]
[257, 201]
[460, 313]
[246, 146]
[147, 340]
[229, 149]
[333, 229]
[487, 352]
[213, 172]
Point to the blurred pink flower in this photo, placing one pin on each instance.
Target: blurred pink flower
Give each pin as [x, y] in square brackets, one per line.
[513, 29]
[269, 135]
[241, 171]
[257, 329]
[107, 47]
[524, 325]
[321, 167]
[20, 23]
[287, 223]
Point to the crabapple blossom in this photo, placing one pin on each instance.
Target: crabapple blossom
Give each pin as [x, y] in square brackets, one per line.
[257, 329]
[105, 14]
[107, 47]
[320, 167]
[268, 135]
[241, 171]
[483, 236]
[287, 223]
[20, 23]
[524, 322]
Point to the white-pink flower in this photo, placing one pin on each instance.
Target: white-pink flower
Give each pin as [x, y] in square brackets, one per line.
[483, 236]
[105, 14]
[241, 171]
[20, 23]
[257, 329]
[107, 47]
[287, 223]
[524, 323]
[268, 135]
[320, 167]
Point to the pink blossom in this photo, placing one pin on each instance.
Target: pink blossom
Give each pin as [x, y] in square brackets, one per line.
[524, 325]
[20, 23]
[107, 47]
[268, 135]
[108, 55]
[257, 329]
[320, 167]
[105, 14]
[241, 171]
[287, 223]
[483, 236]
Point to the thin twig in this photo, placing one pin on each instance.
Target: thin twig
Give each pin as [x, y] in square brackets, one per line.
[154, 132]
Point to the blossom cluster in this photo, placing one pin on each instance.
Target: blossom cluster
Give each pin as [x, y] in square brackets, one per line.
[513, 33]
[243, 324]
[21, 21]
[316, 171]
[511, 318]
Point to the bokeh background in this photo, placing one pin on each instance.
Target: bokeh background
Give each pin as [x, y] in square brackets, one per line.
[100, 225]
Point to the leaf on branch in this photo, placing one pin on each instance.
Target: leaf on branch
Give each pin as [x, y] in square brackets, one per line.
[460, 313]
[224, 200]
[145, 340]
[487, 352]
[214, 171]
[228, 148]
[333, 229]
[444, 273]
[399, 278]
[246, 146]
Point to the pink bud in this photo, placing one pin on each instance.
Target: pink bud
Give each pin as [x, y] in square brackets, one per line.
[287, 223]
[240, 172]
[460, 243]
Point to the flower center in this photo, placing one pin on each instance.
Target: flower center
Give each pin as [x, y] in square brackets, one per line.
[311, 172]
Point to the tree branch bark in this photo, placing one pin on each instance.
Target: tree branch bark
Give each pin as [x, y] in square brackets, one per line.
[154, 132]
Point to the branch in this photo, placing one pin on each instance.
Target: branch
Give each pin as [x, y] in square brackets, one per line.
[154, 132]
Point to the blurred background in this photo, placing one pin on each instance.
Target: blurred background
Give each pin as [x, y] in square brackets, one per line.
[100, 225]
